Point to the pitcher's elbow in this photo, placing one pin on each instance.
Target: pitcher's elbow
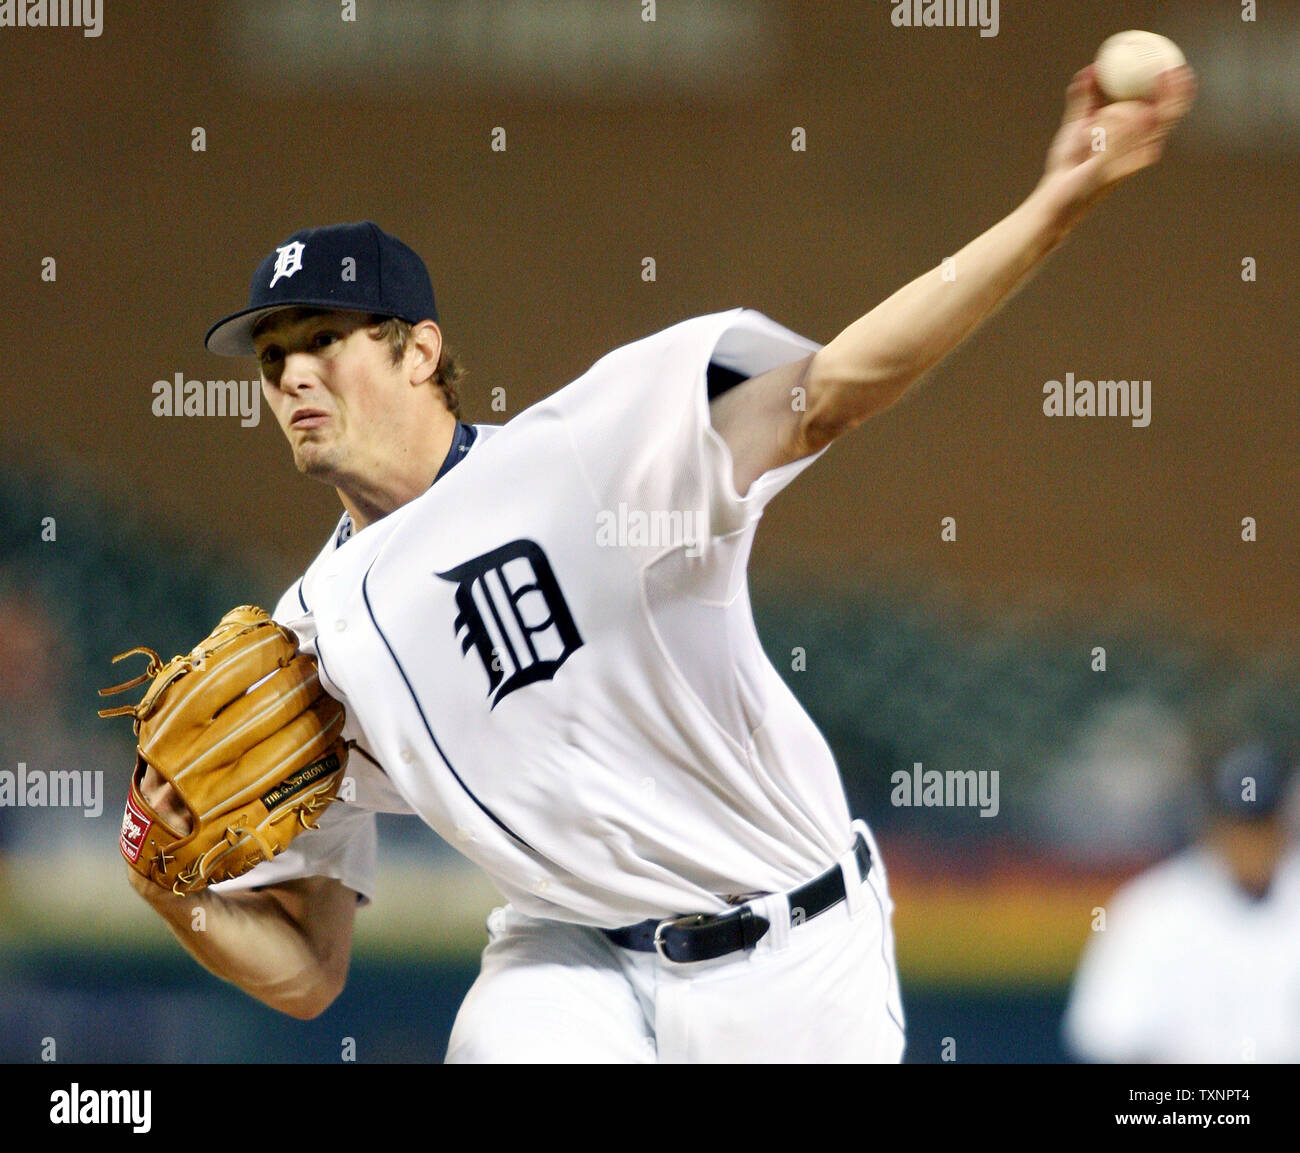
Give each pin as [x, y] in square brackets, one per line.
[310, 1003]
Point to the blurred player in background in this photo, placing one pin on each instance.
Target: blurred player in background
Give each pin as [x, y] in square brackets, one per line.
[1199, 960]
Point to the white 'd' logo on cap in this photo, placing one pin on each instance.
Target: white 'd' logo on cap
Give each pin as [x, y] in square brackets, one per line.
[288, 260]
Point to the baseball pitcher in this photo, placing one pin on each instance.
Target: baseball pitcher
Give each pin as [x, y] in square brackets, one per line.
[537, 637]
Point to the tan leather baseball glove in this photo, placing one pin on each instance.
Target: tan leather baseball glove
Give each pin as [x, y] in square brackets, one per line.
[243, 732]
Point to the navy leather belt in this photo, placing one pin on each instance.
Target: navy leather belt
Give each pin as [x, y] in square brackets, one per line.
[703, 936]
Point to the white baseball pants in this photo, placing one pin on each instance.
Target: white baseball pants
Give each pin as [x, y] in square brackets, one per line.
[822, 991]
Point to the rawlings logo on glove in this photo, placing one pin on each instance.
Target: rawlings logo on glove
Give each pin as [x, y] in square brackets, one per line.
[241, 729]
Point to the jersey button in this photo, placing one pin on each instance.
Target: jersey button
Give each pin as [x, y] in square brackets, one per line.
[407, 756]
[465, 833]
[340, 626]
[541, 884]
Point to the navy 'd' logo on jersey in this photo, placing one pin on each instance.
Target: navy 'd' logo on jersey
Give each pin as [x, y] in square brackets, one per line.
[514, 616]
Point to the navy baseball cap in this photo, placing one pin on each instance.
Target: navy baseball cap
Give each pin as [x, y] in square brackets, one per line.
[354, 267]
[1249, 782]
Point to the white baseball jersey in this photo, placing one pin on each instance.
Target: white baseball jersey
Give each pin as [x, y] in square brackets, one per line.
[1191, 969]
[551, 654]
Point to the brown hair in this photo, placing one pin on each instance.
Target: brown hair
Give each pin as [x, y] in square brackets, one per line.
[396, 332]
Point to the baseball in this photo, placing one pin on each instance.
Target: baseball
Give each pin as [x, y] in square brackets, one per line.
[1129, 62]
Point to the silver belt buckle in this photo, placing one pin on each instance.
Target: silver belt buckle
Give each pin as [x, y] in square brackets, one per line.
[675, 923]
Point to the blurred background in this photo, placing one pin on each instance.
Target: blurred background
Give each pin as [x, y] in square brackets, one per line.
[1105, 623]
